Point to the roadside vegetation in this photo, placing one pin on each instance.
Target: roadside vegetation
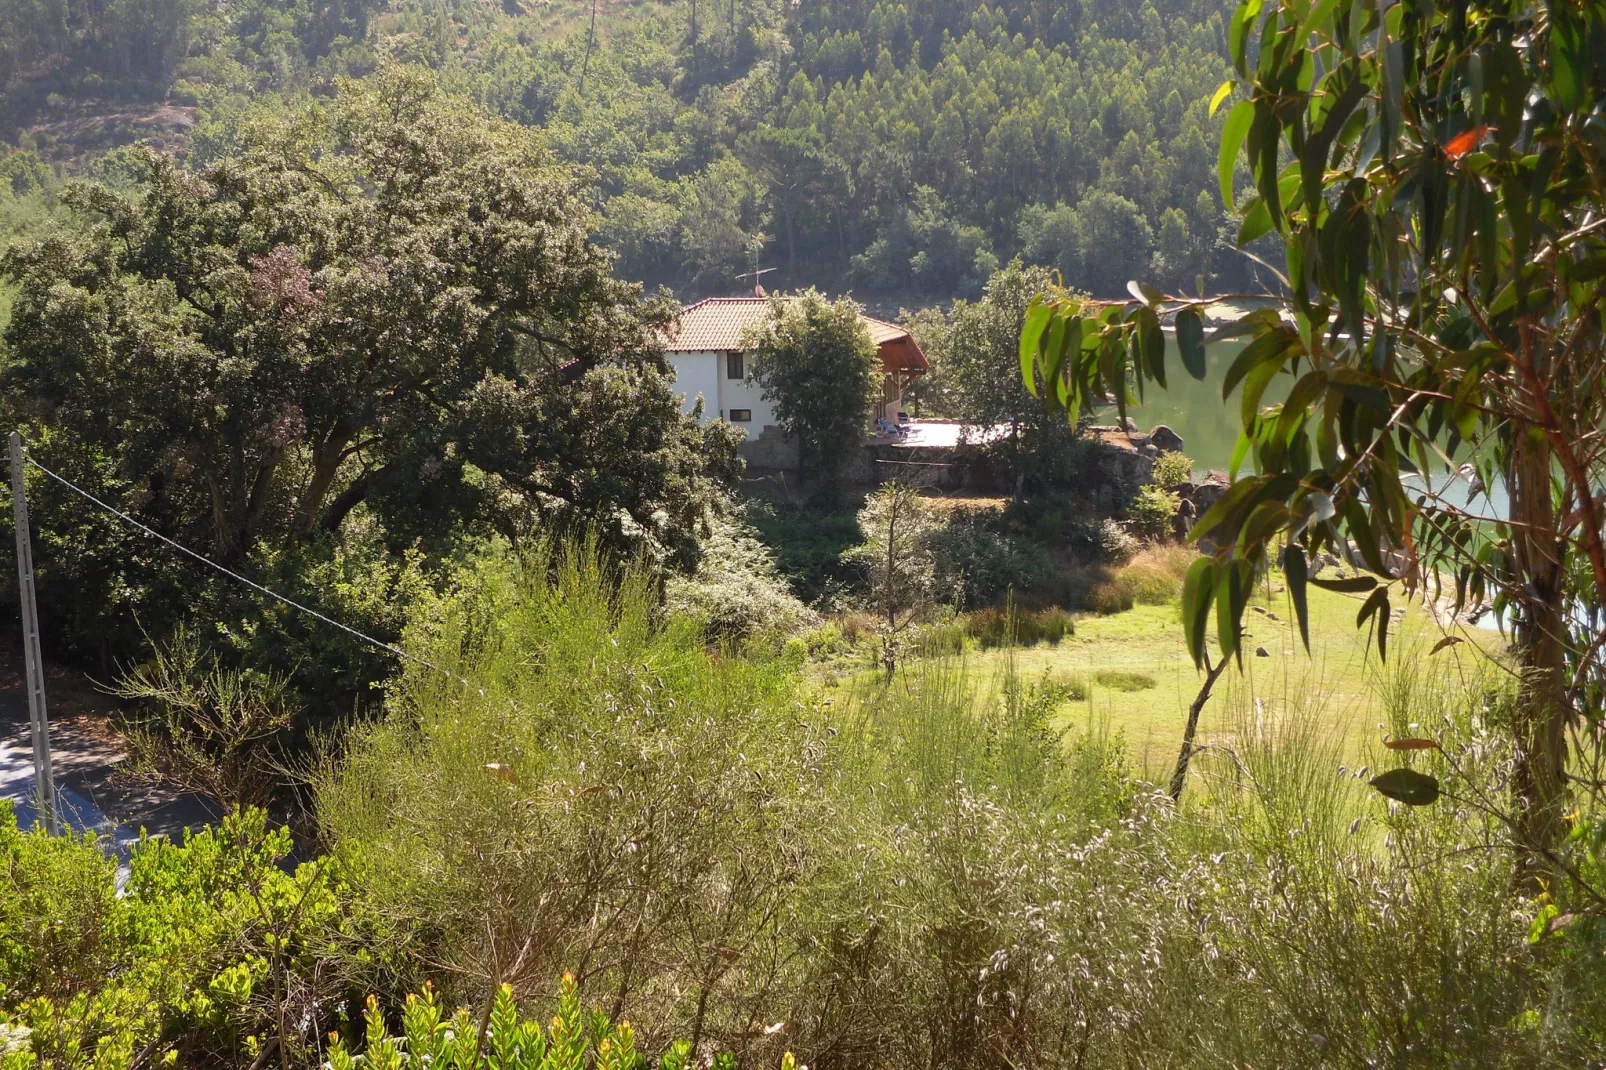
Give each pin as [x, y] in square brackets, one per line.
[935, 871]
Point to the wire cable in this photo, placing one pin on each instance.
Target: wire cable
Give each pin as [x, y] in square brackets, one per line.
[181, 548]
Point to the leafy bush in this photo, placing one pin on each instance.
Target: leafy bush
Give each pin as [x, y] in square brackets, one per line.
[1113, 542]
[736, 592]
[977, 564]
[638, 823]
[927, 873]
[827, 641]
[203, 728]
[213, 950]
[809, 546]
[1150, 513]
[1172, 468]
[1150, 586]
[1109, 596]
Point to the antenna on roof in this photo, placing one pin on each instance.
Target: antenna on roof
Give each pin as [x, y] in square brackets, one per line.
[758, 288]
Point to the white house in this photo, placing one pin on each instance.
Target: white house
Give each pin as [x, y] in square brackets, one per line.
[711, 358]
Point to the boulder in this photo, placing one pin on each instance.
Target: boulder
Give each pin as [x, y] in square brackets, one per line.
[1165, 439]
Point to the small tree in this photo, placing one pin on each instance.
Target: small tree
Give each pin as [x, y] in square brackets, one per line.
[977, 358]
[816, 362]
[1436, 175]
[897, 557]
[204, 728]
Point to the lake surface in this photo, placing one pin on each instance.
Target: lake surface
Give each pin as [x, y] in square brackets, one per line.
[1209, 426]
[1194, 409]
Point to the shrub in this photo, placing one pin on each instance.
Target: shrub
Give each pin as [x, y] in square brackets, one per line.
[827, 641]
[995, 626]
[1150, 513]
[976, 564]
[1150, 586]
[944, 638]
[203, 728]
[606, 791]
[736, 592]
[1047, 625]
[809, 547]
[1172, 468]
[1109, 596]
[1113, 542]
[212, 950]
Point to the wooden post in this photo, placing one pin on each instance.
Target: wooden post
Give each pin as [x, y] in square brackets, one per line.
[44, 773]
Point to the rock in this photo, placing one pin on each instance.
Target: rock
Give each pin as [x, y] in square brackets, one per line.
[1272, 616]
[1262, 652]
[1166, 439]
[1258, 609]
[1209, 492]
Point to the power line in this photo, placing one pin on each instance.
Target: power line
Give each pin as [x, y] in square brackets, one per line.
[181, 548]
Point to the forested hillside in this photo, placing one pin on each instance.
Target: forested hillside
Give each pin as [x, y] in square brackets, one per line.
[897, 149]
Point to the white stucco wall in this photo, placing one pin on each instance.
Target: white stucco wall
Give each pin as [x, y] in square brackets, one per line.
[705, 373]
[696, 374]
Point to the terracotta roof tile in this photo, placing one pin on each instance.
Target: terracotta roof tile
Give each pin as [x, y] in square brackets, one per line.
[723, 322]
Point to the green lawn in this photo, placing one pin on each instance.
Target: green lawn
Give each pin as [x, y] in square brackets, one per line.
[1341, 687]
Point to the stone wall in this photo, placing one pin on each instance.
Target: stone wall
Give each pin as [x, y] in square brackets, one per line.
[770, 451]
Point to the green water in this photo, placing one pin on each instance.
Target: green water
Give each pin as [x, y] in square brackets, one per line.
[1194, 409]
[1209, 426]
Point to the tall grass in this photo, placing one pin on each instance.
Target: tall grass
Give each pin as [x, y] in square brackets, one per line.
[928, 871]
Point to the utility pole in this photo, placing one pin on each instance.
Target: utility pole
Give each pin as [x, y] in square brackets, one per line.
[44, 773]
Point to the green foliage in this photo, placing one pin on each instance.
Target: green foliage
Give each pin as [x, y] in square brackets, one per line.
[996, 626]
[1150, 512]
[809, 546]
[373, 327]
[681, 779]
[896, 554]
[336, 403]
[929, 873]
[575, 1040]
[1105, 597]
[816, 362]
[976, 564]
[204, 728]
[736, 592]
[974, 357]
[1438, 126]
[211, 949]
[1172, 469]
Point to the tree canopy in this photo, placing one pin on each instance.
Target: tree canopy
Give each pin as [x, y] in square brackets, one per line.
[375, 329]
[816, 362]
[903, 149]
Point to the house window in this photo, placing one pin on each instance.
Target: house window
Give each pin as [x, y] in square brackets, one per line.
[741, 416]
[734, 368]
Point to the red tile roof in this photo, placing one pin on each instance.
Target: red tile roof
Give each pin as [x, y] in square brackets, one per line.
[723, 323]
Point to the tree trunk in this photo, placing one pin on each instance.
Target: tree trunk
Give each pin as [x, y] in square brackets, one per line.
[1179, 776]
[326, 459]
[1540, 720]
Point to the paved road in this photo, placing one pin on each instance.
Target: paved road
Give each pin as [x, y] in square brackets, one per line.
[92, 794]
